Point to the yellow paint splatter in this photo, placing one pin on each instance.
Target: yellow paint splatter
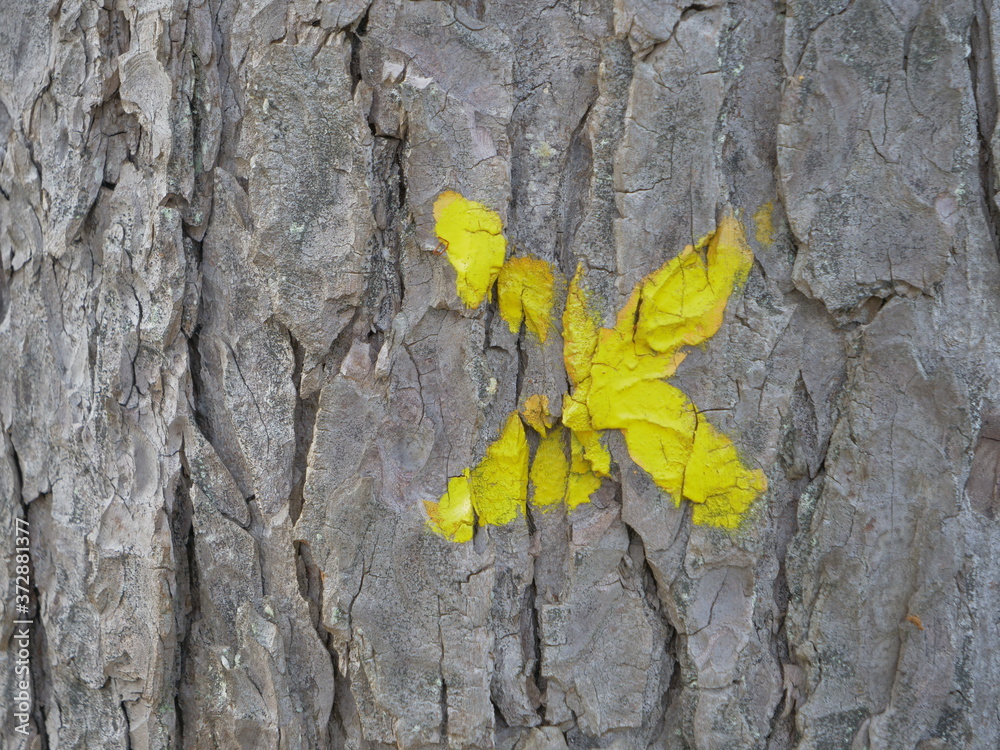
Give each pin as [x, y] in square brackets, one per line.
[524, 291]
[473, 237]
[619, 377]
[763, 218]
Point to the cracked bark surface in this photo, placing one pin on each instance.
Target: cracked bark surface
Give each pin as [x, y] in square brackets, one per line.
[230, 370]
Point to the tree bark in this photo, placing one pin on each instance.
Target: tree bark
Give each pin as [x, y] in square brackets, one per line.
[231, 370]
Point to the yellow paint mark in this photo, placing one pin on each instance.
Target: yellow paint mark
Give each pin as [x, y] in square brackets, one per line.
[580, 488]
[495, 491]
[916, 621]
[581, 332]
[661, 436]
[452, 515]
[583, 482]
[764, 221]
[524, 291]
[717, 482]
[619, 383]
[580, 326]
[473, 236]
[555, 479]
[549, 470]
[596, 455]
[500, 481]
[536, 413]
[681, 304]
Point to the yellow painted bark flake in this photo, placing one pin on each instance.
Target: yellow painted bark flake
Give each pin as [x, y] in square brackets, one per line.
[580, 328]
[536, 413]
[582, 481]
[473, 237]
[549, 470]
[556, 479]
[500, 481]
[525, 289]
[452, 516]
[716, 480]
[682, 304]
[494, 492]
[596, 455]
[661, 442]
[580, 488]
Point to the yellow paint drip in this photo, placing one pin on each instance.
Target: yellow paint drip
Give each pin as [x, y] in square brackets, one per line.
[473, 237]
[525, 293]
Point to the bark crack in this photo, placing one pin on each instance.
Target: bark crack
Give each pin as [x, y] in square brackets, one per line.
[186, 594]
[984, 90]
[357, 34]
[649, 587]
[441, 677]
[304, 421]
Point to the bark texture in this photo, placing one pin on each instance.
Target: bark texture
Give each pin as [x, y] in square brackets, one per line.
[230, 370]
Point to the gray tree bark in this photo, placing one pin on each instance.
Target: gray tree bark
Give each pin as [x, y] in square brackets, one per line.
[230, 370]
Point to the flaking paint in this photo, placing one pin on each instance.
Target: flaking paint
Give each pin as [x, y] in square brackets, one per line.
[536, 413]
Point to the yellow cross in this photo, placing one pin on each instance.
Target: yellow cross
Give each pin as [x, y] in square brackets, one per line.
[618, 376]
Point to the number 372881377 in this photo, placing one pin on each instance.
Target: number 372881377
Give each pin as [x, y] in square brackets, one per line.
[22, 570]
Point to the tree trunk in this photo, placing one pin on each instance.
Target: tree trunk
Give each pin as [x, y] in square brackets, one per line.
[233, 368]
